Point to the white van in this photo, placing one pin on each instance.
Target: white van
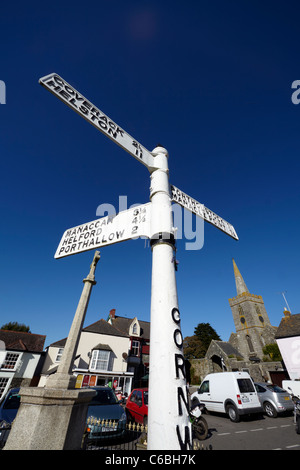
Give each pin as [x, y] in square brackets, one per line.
[228, 392]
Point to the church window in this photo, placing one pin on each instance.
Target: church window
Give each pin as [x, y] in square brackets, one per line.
[250, 345]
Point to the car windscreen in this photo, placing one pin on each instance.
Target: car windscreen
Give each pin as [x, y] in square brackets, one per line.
[146, 398]
[12, 402]
[245, 385]
[104, 397]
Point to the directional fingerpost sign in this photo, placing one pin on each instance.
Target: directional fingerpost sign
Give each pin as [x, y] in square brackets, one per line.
[199, 209]
[66, 93]
[126, 225]
[169, 427]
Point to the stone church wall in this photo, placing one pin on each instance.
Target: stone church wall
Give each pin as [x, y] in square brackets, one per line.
[258, 372]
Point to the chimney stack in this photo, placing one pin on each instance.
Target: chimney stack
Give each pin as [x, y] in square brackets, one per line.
[112, 313]
[287, 313]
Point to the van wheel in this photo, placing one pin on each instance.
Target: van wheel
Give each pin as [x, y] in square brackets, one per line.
[232, 413]
[270, 410]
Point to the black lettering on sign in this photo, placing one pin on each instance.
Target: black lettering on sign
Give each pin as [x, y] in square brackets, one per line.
[181, 397]
[59, 80]
[179, 366]
[176, 315]
[178, 340]
[186, 444]
[83, 109]
[64, 94]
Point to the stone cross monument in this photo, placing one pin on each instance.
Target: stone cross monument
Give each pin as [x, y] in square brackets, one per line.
[54, 417]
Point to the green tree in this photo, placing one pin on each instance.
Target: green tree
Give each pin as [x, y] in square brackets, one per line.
[205, 332]
[15, 326]
[193, 348]
[272, 350]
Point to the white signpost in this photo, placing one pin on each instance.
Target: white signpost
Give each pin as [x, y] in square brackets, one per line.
[108, 230]
[169, 427]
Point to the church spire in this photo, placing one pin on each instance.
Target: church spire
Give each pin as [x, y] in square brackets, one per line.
[239, 281]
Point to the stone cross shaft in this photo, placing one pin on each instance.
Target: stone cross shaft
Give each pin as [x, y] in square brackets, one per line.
[64, 377]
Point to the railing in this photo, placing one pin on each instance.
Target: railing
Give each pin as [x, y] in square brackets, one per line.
[113, 435]
[131, 436]
[120, 436]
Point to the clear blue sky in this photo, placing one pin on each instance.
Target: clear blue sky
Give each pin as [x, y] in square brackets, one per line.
[211, 82]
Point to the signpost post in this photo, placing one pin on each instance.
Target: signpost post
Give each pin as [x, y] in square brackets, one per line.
[169, 426]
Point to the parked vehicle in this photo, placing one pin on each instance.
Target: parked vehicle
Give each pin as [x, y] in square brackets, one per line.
[105, 417]
[232, 393]
[9, 405]
[273, 399]
[296, 402]
[8, 410]
[137, 406]
[199, 424]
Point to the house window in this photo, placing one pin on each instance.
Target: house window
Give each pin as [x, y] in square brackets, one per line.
[59, 354]
[135, 329]
[10, 361]
[100, 360]
[3, 385]
[135, 348]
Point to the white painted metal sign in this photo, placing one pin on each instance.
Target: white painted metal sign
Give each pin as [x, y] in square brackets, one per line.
[66, 93]
[126, 225]
[199, 209]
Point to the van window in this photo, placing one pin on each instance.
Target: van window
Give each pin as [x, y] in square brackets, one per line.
[245, 385]
[204, 387]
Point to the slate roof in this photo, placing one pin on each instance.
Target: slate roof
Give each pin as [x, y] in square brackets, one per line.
[105, 328]
[21, 341]
[227, 348]
[289, 326]
[123, 324]
[100, 327]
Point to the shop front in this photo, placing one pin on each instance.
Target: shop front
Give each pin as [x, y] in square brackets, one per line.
[120, 382]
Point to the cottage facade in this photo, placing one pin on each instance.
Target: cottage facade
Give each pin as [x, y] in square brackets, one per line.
[21, 358]
[109, 353]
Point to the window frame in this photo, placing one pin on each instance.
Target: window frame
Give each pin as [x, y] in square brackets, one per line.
[10, 361]
[59, 354]
[96, 360]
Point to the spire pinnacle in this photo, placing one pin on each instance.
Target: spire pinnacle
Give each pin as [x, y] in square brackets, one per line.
[239, 281]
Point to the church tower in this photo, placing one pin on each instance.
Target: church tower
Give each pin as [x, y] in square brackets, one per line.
[253, 328]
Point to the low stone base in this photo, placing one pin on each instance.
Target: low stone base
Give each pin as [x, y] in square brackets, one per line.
[49, 419]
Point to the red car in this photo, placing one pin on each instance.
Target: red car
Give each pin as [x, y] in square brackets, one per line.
[137, 406]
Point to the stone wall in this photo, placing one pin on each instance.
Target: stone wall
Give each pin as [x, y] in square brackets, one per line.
[260, 372]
